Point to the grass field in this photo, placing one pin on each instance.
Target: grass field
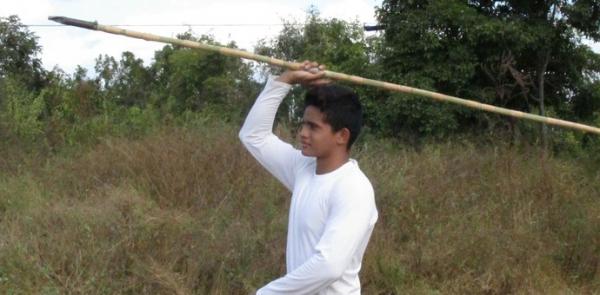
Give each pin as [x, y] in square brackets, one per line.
[188, 211]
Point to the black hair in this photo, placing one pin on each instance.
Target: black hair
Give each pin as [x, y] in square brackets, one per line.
[341, 107]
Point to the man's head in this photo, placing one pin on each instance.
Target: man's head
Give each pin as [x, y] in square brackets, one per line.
[332, 118]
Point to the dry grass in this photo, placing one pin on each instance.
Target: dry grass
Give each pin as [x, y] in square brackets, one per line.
[189, 212]
[466, 220]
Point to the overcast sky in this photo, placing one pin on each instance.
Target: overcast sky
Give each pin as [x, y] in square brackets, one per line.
[68, 47]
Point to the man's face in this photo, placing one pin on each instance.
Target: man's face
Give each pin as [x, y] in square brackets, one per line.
[316, 136]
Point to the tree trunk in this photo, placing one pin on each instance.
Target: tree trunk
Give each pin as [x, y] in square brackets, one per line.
[543, 65]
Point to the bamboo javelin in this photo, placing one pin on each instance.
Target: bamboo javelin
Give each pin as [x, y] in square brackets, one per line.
[328, 74]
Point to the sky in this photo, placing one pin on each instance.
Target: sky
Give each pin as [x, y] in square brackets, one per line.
[67, 47]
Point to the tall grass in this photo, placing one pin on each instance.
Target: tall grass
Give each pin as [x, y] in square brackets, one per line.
[187, 211]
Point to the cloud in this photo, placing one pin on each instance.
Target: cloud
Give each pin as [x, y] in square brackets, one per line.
[27, 10]
[360, 10]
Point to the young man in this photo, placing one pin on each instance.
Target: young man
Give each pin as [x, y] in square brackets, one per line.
[332, 211]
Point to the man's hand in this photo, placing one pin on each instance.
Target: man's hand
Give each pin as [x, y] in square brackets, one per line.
[310, 74]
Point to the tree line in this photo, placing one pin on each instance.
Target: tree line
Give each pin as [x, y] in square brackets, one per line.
[524, 55]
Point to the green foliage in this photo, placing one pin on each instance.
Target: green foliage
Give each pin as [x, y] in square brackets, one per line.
[18, 52]
[518, 54]
[125, 82]
[424, 48]
[584, 15]
[126, 98]
[590, 146]
[188, 79]
[491, 51]
[338, 44]
[132, 81]
[21, 110]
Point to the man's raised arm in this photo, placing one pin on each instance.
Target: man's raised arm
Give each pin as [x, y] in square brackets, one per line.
[278, 157]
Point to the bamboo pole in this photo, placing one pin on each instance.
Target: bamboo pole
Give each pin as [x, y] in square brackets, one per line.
[328, 74]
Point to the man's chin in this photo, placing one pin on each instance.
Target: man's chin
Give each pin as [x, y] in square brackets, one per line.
[307, 153]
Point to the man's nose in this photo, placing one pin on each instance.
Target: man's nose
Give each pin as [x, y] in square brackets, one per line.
[302, 132]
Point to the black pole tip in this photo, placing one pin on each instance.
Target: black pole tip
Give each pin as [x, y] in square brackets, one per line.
[74, 22]
[55, 18]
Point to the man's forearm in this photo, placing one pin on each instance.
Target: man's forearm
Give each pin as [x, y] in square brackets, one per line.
[259, 122]
[276, 156]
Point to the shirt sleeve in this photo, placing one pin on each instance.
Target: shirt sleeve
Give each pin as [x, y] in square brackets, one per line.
[277, 156]
[352, 216]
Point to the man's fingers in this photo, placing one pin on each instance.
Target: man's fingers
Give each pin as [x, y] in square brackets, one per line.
[306, 65]
[314, 74]
[311, 66]
[314, 70]
[311, 73]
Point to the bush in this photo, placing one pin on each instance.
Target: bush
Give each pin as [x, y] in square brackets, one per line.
[21, 110]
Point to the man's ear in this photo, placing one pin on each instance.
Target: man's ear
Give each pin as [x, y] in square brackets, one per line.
[343, 136]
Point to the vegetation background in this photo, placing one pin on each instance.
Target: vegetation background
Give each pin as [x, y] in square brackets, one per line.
[131, 180]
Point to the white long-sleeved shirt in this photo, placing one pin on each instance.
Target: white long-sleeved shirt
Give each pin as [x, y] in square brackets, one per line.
[331, 217]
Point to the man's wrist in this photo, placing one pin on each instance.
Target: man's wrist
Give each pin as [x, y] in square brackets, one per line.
[283, 81]
[284, 78]
[275, 82]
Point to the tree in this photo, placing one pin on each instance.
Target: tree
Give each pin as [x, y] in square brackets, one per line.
[131, 81]
[526, 55]
[18, 53]
[340, 45]
[189, 80]
[21, 78]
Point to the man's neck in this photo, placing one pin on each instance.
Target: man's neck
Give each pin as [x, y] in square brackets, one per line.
[332, 162]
